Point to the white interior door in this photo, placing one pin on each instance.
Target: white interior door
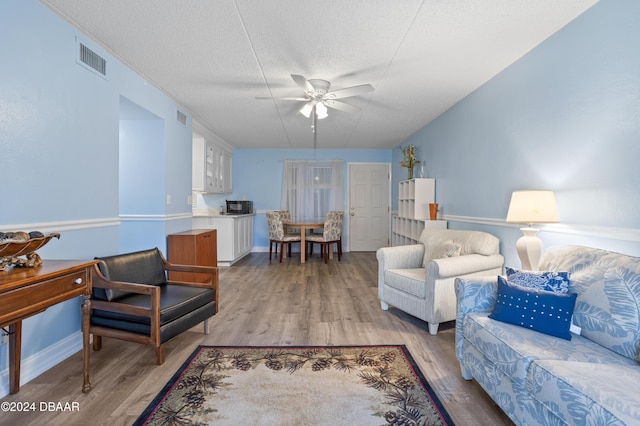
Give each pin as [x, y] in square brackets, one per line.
[369, 206]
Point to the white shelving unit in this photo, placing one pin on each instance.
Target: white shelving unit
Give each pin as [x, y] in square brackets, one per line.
[414, 197]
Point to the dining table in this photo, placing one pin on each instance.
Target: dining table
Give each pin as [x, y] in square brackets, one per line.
[304, 225]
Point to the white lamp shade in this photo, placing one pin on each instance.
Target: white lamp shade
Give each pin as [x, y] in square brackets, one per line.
[306, 110]
[532, 207]
[321, 111]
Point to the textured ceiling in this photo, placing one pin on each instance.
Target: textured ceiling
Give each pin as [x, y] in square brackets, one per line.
[215, 57]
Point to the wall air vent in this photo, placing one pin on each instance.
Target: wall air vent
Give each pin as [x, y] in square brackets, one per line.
[181, 117]
[91, 60]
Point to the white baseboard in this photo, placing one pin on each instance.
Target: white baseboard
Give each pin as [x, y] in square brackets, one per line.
[38, 363]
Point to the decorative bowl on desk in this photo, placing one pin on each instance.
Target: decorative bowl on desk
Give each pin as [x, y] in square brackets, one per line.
[14, 244]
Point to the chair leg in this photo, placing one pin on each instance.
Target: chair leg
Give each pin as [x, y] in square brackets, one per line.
[433, 328]
[281, 250]
[325, 252]
[160, 355]
[270, 248]
[97, 342]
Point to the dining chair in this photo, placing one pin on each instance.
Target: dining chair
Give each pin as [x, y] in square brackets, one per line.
[285, 216]
[331, 234]
[277, 234]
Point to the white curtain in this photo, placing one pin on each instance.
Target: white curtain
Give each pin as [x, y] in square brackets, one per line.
[311, 188]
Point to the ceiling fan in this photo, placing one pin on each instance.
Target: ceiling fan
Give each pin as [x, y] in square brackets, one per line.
[318, 98]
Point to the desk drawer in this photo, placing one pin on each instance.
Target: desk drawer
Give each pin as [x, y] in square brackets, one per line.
[31, 299]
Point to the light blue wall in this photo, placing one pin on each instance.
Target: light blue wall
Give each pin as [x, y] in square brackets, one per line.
[59, 150]
[257, 175]
[141, 161]
[565, 117]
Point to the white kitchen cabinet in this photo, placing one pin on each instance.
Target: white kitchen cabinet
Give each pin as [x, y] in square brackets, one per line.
[211, 167]
[203, 166]
[235, 235]
[225, 171]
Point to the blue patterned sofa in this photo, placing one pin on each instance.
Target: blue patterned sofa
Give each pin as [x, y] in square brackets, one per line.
[538, 379]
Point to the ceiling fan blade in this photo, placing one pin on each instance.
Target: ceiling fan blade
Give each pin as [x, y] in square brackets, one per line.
[340, 106]
[282, 99]
[349, 91]
[302, 82]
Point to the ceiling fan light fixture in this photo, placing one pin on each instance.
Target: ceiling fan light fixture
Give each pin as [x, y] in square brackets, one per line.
[306, 110]
[321, 111]
[318, 99]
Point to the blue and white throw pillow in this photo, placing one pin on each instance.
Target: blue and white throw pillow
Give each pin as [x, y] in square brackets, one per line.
[538, 310]
[557, 282]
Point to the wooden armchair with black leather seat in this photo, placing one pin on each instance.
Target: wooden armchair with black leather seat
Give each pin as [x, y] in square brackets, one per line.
[133, 300]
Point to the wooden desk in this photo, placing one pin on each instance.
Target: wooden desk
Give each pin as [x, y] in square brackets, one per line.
[304, 225]
[25, 292]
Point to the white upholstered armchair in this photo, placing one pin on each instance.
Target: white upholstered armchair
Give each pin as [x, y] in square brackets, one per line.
[419, 279]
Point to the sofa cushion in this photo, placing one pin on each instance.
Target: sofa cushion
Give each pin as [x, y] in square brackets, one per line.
[600, 397]
[608, 286]
[557, 282]
[440, 250]
[446, 250]
[538, 310]
[175, 302]
[513, 348]
[609, 312]
[410, 281]
[142, 267]
[470, 242]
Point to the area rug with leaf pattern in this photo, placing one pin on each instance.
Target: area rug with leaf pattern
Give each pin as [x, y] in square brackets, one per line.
[330, 385]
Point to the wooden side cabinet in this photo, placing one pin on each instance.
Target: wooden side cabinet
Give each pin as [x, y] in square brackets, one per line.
[195, 247]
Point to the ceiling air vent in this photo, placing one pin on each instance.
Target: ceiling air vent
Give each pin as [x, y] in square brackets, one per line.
[91, 60]
[181, 117]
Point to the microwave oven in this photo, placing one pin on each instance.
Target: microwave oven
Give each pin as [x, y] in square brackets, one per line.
[239, 207]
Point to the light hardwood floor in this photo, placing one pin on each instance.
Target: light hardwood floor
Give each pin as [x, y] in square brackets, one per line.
[261, 304]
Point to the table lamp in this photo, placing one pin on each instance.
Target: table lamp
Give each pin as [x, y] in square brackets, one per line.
[531, 207]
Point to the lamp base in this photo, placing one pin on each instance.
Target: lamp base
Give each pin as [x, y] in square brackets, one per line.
[529, 248]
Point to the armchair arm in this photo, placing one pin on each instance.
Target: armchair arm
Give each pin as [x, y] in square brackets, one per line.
[209, 270]
[473, 295]
[400, 257]
[213, 284]
[99, 281]
[463, 265]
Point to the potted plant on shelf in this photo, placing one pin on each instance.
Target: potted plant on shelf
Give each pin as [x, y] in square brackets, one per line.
[409, 161]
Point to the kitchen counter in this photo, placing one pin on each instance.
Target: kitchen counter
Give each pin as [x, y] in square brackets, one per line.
[235, 233]
[216, 213]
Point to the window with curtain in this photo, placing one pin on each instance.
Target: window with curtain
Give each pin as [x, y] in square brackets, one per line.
[311, 188]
